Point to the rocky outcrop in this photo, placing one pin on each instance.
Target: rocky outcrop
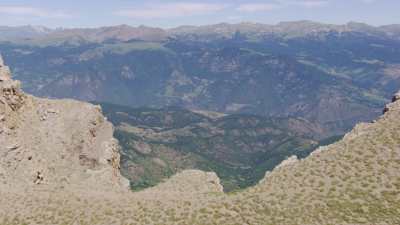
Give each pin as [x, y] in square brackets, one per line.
[11, 94]
[5, 74]
[396, 97]
[54, 143]
[189, 182]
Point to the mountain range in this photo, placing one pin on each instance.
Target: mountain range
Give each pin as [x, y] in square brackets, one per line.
[332, 75]
[288, 30]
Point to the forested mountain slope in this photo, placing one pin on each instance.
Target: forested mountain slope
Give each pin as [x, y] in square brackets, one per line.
[333, 75]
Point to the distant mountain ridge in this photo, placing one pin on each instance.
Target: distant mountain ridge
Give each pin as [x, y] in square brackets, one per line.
[23, 32]
[223, 30]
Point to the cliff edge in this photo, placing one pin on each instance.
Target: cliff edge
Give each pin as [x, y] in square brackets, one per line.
[54, 143]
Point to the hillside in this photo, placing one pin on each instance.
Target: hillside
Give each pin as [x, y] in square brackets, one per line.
[157, 143]
[353, 181]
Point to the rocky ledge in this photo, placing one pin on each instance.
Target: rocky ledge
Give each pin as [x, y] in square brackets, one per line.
[54, 143]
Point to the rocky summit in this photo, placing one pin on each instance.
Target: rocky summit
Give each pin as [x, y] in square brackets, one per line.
[60, 165]
[54, 144]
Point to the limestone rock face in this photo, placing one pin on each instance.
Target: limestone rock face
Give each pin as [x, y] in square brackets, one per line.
[54, 143]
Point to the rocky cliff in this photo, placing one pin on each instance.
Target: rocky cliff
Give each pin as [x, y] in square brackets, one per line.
[54, 143]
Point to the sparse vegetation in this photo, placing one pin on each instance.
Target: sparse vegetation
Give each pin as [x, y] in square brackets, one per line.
[157, 143]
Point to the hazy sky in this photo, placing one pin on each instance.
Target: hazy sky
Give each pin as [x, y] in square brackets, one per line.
[171, 13]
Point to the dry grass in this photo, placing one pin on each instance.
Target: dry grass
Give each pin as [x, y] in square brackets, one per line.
[354, 181]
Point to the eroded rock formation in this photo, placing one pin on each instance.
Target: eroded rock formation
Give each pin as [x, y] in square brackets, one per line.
[54, 143]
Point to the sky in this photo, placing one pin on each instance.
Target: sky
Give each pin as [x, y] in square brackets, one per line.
[173, 13]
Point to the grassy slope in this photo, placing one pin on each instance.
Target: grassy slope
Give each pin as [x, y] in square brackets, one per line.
[354, 181]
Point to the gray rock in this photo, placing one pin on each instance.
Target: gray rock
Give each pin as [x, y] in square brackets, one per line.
[59, 151]
[396, 97]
